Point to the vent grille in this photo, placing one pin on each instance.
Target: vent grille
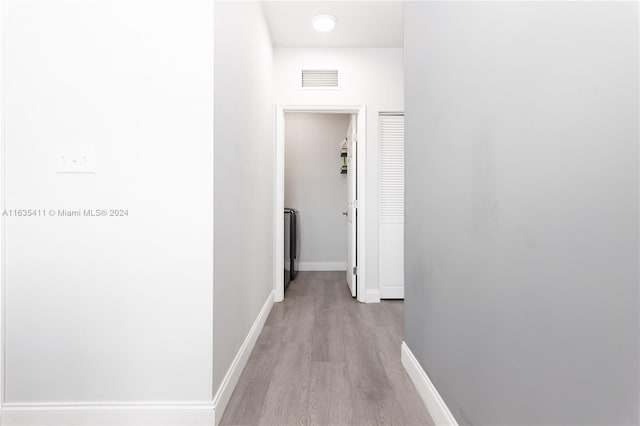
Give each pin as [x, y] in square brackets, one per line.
[320, 78]
[391, 178]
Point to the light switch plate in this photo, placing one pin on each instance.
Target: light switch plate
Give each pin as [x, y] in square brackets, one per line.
[76, 158]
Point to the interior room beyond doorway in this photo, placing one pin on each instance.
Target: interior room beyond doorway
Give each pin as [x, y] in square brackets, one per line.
[317, 177]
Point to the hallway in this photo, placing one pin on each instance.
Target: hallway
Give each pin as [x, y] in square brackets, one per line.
[325, 359]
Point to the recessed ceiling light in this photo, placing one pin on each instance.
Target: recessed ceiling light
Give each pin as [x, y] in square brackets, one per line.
[324, 22]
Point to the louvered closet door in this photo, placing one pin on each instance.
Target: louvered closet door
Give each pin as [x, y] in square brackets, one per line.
[391, 201]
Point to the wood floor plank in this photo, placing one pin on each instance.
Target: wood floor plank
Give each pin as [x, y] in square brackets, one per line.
[399, 381]
[328, 335]
[265, 356]
[329, 395]
[325, 359]
[277, 315]
[375, 406]
[287, 399]
[246, 403]
[364, 366]
[300, 320]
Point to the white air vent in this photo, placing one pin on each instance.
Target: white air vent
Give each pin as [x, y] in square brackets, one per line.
[319, 79]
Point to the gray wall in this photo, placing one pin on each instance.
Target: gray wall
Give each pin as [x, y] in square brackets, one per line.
[244, 145]
[314, 185]
[522, 208]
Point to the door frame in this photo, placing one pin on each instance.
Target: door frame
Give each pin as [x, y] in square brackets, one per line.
[278, 243]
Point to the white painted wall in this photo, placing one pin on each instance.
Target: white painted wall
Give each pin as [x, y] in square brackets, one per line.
[371, 77]
[522, 130]
[315, 187]
[244, 181]
[109, 310]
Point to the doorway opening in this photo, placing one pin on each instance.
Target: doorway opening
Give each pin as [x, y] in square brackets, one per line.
[327, 210]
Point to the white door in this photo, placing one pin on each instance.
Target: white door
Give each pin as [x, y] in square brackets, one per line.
[391, 214]
[351, 211]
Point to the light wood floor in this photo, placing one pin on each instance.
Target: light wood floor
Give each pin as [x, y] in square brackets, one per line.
[325, 359]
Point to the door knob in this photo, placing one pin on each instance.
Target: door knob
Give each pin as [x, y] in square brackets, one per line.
[345, 213]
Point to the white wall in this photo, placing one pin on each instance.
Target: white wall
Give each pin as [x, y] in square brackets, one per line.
[315, 187]
[371, 77]
[244, 181]
[109, 310]
[522, 171]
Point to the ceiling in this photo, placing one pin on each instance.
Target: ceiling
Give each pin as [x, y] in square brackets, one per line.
[359, 23]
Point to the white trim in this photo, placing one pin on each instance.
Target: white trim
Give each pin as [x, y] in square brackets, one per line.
[230, 380]
[213, 209]
[322, 266]
[3, 168]
[392, 292]
[112, 414]
[361, 159]
[436, 407]
[361, 112]
[278, 226]
[373, 296]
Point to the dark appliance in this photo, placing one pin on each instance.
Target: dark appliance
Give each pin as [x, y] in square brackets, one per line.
[290, 245]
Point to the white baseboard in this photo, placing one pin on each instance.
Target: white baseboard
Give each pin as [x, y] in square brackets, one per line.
[103, 414]
[230, 380]
[372, 296]
[392, 292]
[322, 266]
[435, 405]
